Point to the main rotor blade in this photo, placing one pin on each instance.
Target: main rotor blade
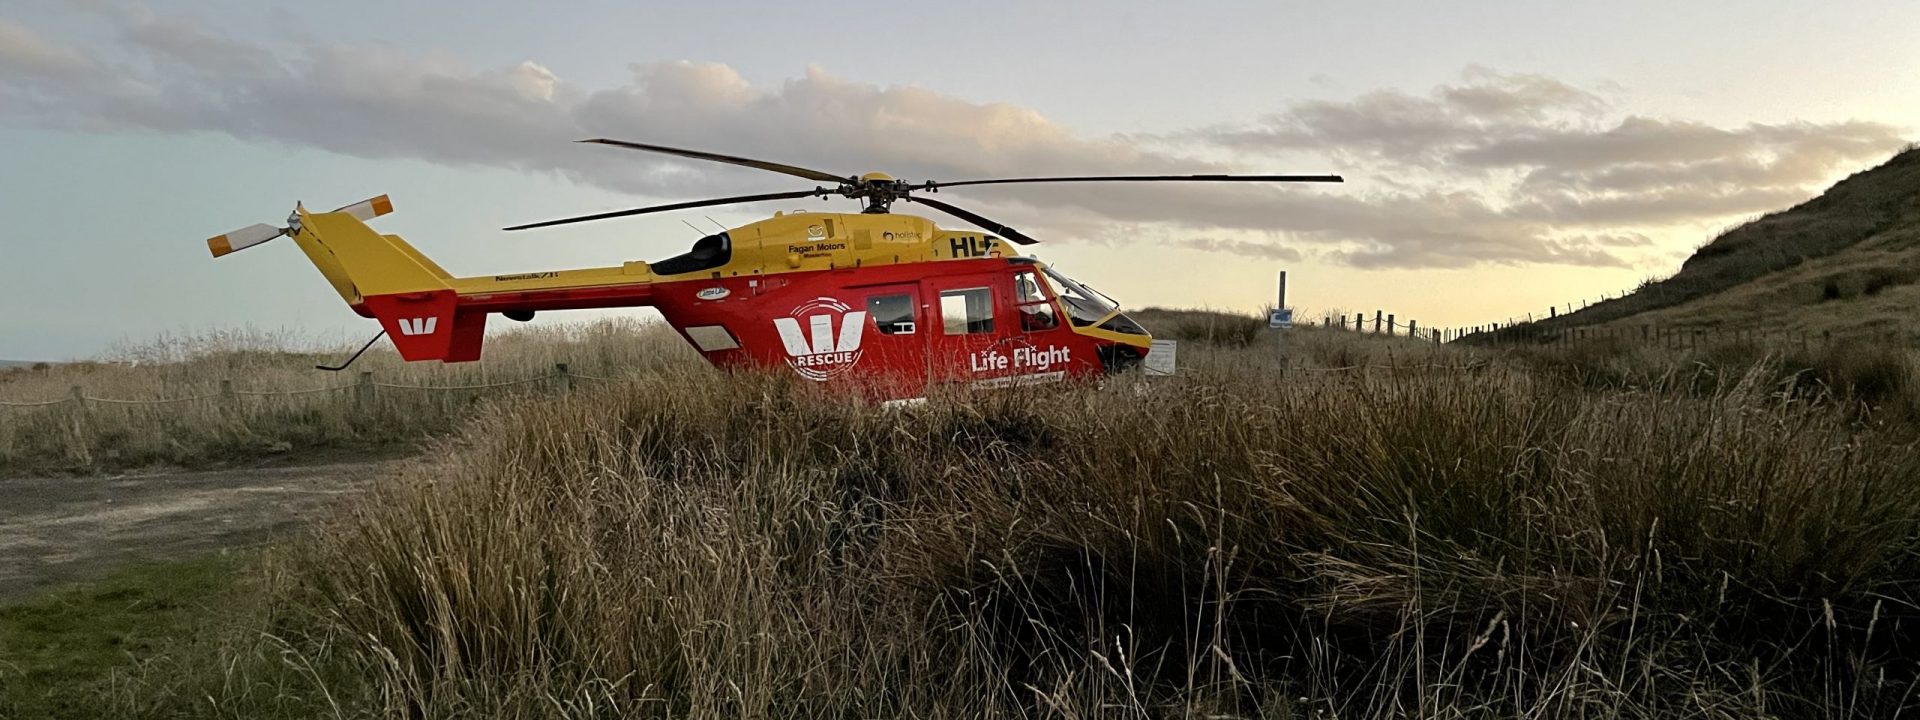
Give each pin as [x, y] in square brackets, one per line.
[1149, 178]
[674, 206]
[793, 170]
[976, 219]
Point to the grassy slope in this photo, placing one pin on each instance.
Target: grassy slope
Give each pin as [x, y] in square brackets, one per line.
[1846, 262]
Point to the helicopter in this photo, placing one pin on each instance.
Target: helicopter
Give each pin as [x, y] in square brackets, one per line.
[889, 303]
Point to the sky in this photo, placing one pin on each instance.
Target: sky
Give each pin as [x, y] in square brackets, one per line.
[1500, 157]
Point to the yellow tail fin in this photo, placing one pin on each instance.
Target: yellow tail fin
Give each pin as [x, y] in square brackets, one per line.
[359, 262]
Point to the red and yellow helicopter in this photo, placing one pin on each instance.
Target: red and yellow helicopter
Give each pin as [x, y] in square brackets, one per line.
[890, 303]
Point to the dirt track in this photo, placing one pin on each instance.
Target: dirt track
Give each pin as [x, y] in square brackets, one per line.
[55, 530]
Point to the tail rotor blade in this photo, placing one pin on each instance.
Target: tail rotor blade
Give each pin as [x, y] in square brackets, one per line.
[369, 209]
[975, 218]
[243, 238]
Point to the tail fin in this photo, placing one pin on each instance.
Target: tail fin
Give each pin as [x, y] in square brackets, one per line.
[380, 276]
[383, 277]
[359, 262]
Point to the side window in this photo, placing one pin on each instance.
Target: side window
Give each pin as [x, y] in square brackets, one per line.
[1036, 311]
[892, 314]
[966, 310]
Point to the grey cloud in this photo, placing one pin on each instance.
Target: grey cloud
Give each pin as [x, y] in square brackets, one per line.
[1577, 179]
[30, 56]
[1264, 251]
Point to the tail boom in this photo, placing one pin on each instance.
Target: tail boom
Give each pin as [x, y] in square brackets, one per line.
[429, 314]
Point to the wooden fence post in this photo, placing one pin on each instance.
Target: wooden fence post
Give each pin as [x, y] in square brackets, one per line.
[82, 448]
[566, 378]
[363, 393]
[1377, 315]
[1390, 325]
[1413, 328]
[79, 398]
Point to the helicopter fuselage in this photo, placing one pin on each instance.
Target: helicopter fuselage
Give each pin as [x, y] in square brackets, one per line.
[889, 303]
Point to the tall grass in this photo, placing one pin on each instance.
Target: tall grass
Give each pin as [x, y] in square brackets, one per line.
[1469, 540]
[279, 401]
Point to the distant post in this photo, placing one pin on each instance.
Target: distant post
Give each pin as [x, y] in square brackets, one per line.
[1281, 320]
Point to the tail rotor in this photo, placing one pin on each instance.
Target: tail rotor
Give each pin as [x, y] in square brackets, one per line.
[257, 233]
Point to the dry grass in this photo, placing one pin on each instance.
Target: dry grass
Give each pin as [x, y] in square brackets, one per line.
[1474, 540]
[322, 410]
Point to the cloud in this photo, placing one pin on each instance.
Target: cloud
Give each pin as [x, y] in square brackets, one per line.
[1556, 161]
[31, 58]
[1494, 168]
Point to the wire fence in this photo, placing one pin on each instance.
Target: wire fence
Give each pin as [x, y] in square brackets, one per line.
[1534, 333]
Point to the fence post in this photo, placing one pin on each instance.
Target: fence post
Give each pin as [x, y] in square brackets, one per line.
[1377, 315]
[79, 398]
[363, 393]
[1413, 329]
[82, 449]
[565, 377]
[1390, 325]
[229, 400]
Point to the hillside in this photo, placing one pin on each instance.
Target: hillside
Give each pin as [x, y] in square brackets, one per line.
[1846, 262]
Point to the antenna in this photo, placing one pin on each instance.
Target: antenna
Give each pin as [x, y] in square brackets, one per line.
[696, 229]
[716, 223]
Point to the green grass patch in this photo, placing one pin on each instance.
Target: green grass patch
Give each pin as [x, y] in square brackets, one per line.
[59, 648]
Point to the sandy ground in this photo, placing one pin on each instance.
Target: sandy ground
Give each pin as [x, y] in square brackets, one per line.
[58, 530]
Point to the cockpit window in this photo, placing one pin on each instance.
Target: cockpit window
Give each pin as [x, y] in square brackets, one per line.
[708, 252]
[1036, 311]
[1084, 306]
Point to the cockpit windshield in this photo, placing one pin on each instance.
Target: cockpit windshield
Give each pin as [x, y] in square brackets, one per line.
[1084, 305]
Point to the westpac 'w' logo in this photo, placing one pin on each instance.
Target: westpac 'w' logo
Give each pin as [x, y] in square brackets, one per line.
[814, 352]
[418, 326]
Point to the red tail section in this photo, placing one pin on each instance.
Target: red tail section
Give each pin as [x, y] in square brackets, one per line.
[430, 325]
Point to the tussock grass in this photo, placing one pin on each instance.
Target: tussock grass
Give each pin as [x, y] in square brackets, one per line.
[1471, 540]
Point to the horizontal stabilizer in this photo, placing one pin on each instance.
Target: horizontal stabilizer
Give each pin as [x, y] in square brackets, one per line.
[243, 238]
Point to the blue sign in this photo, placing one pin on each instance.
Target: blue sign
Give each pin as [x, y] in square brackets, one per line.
[1280, 318]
